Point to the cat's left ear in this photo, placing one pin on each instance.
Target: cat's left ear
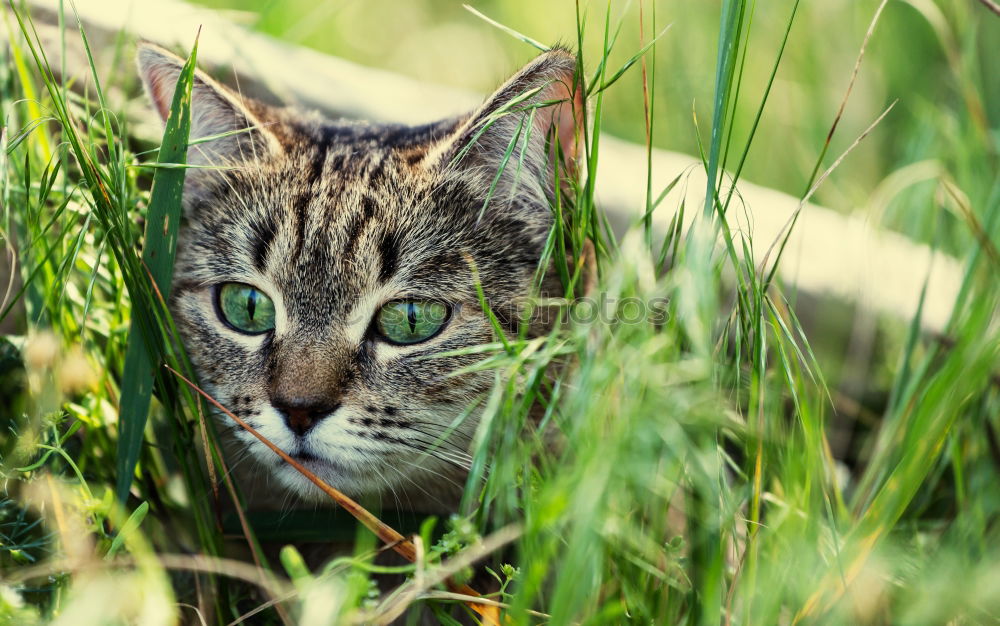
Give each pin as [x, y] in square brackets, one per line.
[215, 110]
[536, 115]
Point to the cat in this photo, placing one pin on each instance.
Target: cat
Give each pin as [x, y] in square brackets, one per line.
[326, 269]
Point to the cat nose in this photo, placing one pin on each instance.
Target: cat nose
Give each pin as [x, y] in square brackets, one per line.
[301, 416]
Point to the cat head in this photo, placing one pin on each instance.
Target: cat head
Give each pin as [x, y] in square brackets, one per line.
[325, 269]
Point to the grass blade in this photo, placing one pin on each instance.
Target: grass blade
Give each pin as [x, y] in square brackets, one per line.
[158, 257]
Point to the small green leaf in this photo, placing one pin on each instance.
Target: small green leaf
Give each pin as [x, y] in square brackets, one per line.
[130, 526]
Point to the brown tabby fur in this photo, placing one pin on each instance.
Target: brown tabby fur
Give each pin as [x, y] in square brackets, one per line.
[334, 218]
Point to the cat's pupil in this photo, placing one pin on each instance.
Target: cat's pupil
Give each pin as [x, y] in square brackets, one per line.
[411, 316]
[251, 302]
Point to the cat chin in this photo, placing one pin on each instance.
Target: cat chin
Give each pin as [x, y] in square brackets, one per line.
[373, 494]
[336, 476]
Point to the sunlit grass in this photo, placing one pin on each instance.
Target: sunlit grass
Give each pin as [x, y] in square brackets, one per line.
[683, 471]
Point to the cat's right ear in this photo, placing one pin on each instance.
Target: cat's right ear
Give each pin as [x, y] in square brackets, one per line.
[215, 110]
[518, 132]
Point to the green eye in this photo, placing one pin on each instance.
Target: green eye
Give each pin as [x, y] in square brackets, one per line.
[245, 308]
[411, 321]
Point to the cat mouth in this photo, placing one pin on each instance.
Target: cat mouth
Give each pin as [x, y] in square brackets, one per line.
[302, 455]
[312, 462]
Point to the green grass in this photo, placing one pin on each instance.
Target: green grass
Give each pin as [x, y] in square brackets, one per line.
[163, 218]
[702, 474]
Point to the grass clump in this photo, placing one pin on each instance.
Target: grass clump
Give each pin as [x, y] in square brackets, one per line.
[695, 478]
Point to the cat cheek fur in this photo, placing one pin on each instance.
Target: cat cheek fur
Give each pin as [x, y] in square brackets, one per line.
[332, 220]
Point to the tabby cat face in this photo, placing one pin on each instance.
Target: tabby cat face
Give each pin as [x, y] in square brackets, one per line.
[324, 269]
